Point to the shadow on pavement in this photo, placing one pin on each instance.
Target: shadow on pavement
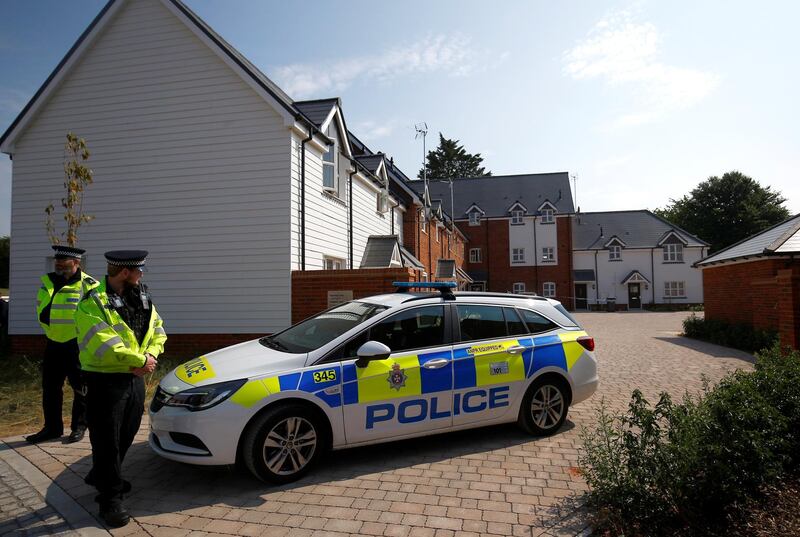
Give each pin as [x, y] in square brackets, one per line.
[161, 486]
[711, 349]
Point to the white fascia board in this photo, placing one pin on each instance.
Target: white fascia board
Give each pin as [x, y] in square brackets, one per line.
[368, 182]
[612, 239]
[475, 207]
[336, 114]
[316, 141]
[10, 142]
[517, 204]
[672, 232]
[288, 119]
[546, 203]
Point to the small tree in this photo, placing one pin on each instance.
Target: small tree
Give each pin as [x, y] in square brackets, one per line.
[450, 161]
[77, 176]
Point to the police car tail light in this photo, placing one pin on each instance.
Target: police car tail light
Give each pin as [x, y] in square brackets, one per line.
[586, 342]
[204, 397]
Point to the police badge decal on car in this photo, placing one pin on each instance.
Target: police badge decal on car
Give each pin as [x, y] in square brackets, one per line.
[397, 377]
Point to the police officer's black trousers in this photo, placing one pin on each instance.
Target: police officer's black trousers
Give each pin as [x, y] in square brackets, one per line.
[61, 362]
[116, 405]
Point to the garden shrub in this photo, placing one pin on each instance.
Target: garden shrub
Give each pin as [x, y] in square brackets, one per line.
[676, 465]
[738, 336]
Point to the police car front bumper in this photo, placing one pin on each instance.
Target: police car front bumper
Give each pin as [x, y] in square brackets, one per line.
[207, 437]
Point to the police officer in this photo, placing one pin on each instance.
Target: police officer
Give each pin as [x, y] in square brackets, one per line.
[56, 304]
[120, 335]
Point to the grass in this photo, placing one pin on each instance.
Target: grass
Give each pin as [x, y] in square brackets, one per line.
[21, 393]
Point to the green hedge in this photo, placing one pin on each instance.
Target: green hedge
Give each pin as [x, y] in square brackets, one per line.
[738, 336]
[677, 467]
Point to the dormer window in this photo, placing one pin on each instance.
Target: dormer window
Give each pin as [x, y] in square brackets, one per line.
[329, 179]
[516, 217]
[548, 215]
[615, 252]
[673, 253]
[474, 218]
[383, 202]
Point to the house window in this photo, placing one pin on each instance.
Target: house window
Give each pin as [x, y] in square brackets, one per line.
[516, 217]
[549, 289]
[518, 255]
[519, 288]
[474, 255]
[436, 232]
[474, 218]
[548, 254]
[422, 222]
[615, 253]
[383, 202]
[673, 253]
[329, 179]
[675, 289]
[548, 216]
[333, 263]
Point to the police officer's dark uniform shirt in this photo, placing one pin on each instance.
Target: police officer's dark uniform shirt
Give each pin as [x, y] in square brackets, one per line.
[130, 307]
[58, 282]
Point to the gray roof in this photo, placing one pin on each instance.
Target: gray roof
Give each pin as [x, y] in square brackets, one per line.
[637, 229]
[370, 162]
[496, 194]
[317, 110]
[783, 238]
[379, 250]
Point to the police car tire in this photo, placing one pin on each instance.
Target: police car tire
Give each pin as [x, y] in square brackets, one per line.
[254, 441]
[526, 419]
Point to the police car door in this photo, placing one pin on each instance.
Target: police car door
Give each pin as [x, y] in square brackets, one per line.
[409, 392]
[489, 361]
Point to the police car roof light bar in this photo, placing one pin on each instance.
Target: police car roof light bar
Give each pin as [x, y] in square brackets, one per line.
[446, 288]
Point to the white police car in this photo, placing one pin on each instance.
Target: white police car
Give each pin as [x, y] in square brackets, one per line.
[372, 370]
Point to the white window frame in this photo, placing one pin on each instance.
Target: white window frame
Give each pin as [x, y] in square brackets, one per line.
[518, 255]
[474, 218]
[517, 217]
[673, 253]
[382, 202]
[548, 254]
[333, 263]
[675, 289]
[422, 223]
[475, 255]
[518, 288]
[615, 252]
[334, 166]
[549, 289]
[548, 216]
[436, 232]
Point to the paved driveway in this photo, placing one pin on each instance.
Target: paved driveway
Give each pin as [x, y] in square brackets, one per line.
[494, 481]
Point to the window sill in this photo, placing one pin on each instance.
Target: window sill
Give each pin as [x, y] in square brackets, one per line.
[615, 260]
[517, 223]
[674, 263]
[333, 197]
[672, 297]
[518, 262]
[548, 261]
[546, 223]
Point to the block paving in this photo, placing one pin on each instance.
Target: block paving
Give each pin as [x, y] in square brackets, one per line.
[489, 481]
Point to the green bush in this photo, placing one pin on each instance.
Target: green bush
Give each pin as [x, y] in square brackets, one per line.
[738, 336]
[681, 465]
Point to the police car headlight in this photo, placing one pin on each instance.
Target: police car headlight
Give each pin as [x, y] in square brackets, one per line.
[205, 397]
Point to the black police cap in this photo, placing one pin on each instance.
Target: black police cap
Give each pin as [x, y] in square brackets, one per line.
[67, 252]
[127, 258]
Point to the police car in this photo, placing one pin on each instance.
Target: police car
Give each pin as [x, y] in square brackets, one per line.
[376, 369]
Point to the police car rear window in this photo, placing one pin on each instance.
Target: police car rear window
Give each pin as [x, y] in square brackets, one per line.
[323, 328]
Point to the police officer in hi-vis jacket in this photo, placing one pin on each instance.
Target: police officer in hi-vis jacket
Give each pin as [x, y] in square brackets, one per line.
[120, 335]
[56, 304]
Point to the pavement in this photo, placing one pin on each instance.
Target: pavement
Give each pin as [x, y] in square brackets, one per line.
[490, 481]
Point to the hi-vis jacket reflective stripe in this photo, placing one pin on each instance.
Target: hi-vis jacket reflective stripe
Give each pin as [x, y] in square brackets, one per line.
[473, 366]
[107, 344]
[65, 302]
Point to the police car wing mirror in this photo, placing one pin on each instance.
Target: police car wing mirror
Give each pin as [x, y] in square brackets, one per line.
[372, 350]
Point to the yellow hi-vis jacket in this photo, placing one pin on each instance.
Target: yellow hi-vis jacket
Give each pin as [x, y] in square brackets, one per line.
[107, 344]
[64, 304]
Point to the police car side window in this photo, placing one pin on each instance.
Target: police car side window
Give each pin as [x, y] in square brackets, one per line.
[515, 325]
[481, 322]
[415, 328]
[536, 323]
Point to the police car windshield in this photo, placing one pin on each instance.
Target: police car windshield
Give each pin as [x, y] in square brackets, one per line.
[316, 331]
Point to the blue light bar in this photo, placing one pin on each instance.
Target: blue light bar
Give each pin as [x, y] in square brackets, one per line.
[425, 285]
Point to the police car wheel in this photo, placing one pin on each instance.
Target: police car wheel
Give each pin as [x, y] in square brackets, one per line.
[544, 408]
[283, 444]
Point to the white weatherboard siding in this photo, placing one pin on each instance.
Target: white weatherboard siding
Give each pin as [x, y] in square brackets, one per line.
[611, 273]
[522, 236]
[366, 218]
[189, 163]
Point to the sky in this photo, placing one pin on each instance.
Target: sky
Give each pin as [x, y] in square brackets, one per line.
[640, 100]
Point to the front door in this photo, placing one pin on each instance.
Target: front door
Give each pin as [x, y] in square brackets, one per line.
[409, 392]
[634, 296]
[580, 296]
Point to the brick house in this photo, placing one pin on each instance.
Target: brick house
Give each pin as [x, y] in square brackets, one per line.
[757, 282]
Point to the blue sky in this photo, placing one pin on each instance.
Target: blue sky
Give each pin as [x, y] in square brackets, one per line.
[641, 100]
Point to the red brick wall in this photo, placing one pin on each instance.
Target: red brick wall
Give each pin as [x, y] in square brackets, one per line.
[491, 236]
[424, 245]
[762, 293]
[310, 288]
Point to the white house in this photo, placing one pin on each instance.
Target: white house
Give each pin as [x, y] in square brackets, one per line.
[202, 160]
[634, 258]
